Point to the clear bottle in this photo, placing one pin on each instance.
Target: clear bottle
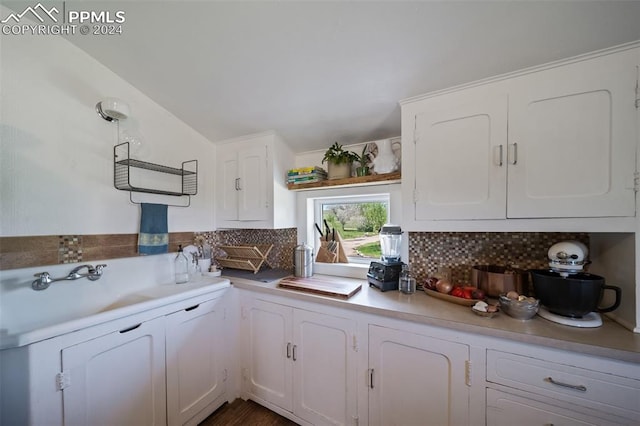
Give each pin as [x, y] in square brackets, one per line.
[182, 267]
[407, 283]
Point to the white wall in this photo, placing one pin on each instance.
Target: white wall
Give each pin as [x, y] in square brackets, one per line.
[56, 153]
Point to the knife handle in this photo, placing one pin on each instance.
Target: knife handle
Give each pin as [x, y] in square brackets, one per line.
[319, 230]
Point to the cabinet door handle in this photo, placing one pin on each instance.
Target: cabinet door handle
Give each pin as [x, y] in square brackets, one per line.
[289, 350]
[192, 308]
[237, 184]
[497, 155]
[133, 327]
[294, 352]
[580, 388]
[513, 153]
[371, 378]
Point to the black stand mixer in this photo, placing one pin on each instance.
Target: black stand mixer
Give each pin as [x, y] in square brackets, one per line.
[568, 295]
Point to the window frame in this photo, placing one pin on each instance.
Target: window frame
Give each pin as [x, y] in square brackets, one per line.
[308, 234]
[349, 199]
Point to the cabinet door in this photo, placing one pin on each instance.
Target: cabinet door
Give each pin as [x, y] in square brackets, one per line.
[268, 353]
[117, 379]
[195, 372]
[227, 184]
[460, 143]
[253, 184]
[504, 409]
[572, 139]
[416, 379]
[324, 370]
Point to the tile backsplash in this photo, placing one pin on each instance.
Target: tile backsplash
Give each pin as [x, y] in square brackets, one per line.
[460, 251]
[283, 240]
[427, 250]
[29, 251]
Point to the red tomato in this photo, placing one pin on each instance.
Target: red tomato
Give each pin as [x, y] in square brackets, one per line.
[457, 292]
[468, 292]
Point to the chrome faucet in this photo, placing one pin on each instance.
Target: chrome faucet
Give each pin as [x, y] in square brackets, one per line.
[44, 279]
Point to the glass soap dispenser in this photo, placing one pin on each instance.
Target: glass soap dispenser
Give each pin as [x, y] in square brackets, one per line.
[407, 283]
[182, 267]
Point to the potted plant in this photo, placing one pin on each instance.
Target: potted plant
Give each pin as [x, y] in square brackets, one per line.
[339, 161]
[363, 160]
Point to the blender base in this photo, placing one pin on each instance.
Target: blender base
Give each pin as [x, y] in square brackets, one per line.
[384, 275]
[591, 320]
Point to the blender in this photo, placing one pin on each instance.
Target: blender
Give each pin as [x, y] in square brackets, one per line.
[385, 274]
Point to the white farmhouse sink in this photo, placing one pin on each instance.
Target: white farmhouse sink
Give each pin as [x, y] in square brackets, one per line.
[127, 286]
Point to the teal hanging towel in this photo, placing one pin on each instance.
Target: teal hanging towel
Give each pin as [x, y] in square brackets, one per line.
[154, 231]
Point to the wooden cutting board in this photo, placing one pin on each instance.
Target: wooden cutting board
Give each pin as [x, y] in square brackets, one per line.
[324, 286]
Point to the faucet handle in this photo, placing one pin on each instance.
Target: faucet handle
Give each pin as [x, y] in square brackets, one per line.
[43, 281]
[42, 275]
[96, 273]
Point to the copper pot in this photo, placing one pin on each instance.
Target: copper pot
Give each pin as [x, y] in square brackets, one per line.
[495, 280]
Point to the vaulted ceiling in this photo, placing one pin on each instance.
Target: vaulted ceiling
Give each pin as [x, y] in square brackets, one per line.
[319, 72]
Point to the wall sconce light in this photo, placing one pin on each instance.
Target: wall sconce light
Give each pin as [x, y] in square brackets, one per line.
[112, 109]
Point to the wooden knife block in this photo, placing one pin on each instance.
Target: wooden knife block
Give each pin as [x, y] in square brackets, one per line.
[327, 256]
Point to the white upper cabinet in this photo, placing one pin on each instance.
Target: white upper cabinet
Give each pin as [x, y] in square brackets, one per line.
[555, 142]
[572, 139]
[458, 141]
[251, 191]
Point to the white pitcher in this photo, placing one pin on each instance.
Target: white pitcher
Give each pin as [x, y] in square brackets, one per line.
[386, 161]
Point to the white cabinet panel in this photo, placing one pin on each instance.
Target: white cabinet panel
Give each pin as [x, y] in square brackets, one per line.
[251, 191]
[572, 137]
[195, 372]
[324, 386]
[267, 371]
[459, 172]
[416, 379]
[301, 361]
[227, 175]
[504, 409]
[117, 379]
[253, 184]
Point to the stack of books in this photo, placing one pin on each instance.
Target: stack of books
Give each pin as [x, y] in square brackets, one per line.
[306, 175]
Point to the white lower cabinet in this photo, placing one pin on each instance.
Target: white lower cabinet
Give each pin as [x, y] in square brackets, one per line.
[195, 370]
[416, 379]
[116, 379]
[169, 370]
[545, 391]
[505, 409]
[300, 361]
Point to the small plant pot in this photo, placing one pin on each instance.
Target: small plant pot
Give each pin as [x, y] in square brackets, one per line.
[362, 171]
[338, 171]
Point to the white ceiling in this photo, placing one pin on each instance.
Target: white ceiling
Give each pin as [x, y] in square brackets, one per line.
[319, 72]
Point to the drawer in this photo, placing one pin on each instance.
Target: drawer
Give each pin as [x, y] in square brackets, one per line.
[504, 409]
[594, 389]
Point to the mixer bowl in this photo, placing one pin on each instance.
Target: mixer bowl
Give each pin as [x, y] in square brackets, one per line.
[574, 296]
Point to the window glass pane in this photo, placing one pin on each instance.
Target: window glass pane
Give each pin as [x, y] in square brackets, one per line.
[358, 224]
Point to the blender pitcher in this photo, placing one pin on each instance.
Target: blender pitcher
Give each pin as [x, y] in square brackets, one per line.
[390, 242]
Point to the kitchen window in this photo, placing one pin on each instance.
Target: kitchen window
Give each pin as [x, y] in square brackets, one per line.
[355, 221]
[310, 212]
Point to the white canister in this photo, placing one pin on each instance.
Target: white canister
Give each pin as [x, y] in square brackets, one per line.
[303, 261]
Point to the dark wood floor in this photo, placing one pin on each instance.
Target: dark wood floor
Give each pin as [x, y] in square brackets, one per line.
[241, 412]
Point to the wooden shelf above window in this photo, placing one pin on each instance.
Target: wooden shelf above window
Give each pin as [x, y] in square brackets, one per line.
[353, 181]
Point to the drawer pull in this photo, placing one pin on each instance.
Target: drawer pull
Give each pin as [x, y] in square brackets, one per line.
[126, 330]
[566, 385]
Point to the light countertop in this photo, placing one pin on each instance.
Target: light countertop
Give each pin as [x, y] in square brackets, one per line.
[611, 340]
